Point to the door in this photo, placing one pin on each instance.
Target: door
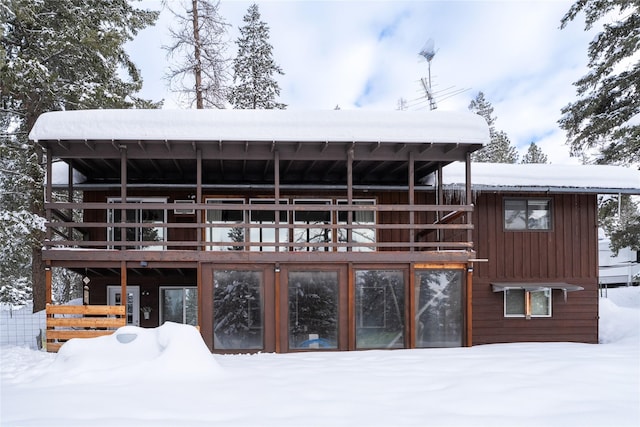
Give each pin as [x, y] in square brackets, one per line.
[114, 294]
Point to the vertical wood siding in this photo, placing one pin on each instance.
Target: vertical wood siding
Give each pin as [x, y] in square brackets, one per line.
[566, 253]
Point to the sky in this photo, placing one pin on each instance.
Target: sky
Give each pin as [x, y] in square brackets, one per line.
[165, 376]
[365, 54]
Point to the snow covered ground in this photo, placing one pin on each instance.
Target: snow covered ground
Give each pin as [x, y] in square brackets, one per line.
[166, 377]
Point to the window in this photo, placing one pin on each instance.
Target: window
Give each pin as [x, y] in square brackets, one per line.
[379, 308]
[229, 234]
[268, 234]
[237, 310]
[358, 235]
[179, 305]
[140, 216]
[527, 214]
[313, 309]
[313, 230]
[439, 316]
[527, 303]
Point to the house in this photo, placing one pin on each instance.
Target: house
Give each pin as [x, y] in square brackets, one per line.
[537, 226]
[275, 230]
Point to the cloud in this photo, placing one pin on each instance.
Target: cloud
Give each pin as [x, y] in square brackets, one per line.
[364, 54]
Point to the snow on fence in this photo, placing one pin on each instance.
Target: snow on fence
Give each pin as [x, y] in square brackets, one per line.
[21, 327]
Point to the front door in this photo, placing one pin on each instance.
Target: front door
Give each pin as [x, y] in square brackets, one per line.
[133, 302]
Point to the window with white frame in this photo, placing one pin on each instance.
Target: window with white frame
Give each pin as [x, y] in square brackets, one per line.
[367, 219]
[527, 303]
[139, 215]
[310, 226]
[179, 305]
[527, 214]
[268, 234]
[225, 231]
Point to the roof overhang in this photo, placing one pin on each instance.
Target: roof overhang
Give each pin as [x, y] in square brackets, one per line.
[240, 146]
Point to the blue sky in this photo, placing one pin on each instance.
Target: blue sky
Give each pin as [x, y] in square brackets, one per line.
[364, 54]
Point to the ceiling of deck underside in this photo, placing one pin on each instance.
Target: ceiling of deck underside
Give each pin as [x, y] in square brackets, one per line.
[244, 162]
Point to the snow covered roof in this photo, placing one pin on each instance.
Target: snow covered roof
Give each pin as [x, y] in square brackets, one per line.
[600, 179]
[262, 125]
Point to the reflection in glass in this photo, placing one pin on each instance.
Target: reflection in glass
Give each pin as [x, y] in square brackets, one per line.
[439, 317]
[515, 214]
[379, 309]
[313, 309]
[267, 234]
[179, 305]
[367, 219]
[228, 234]
[143, 216]
[317, 234]
[237, 309]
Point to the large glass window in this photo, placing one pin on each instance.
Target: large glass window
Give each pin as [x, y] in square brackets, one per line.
[367, 219]
[141, 216]
[527, 303]
[268, 234]
[238, 320]
[527, 214]
[313, 230]
[313, 309]
[228, 233]
[379, 308]
[179, 305]
[439, 315]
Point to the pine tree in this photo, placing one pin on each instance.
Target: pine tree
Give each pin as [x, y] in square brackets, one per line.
[534, 155]
[254, 86]
[57, 55]
[499, 149]
[620, 218]
[609, 95]
[201, 70]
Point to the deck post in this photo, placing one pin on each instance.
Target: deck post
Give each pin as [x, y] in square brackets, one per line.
[349, 196]
[468, 200]
[276, 201]
[469, 308]
[123, 284]
[123, 196]
[48, 194]
[199, 200]
[412, 231]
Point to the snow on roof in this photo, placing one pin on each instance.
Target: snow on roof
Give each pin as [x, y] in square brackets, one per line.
[546, 177]
[262, 125]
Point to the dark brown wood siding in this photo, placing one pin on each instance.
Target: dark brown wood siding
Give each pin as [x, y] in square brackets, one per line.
[567, 253]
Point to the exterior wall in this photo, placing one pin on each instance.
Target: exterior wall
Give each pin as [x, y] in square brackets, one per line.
[567, 253]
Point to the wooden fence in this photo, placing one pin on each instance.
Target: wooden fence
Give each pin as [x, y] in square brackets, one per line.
[65, 322]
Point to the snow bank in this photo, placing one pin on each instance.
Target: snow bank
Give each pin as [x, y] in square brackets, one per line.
[169, 351]
[620, 316]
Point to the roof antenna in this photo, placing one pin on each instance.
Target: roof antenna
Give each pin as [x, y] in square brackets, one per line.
[428, 52]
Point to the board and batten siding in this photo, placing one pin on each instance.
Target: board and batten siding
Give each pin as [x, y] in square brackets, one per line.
[567, 253]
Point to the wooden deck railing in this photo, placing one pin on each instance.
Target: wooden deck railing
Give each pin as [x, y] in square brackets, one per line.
[397, 227]
[65, 322]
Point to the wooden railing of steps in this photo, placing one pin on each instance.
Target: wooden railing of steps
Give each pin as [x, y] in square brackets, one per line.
[65, 322]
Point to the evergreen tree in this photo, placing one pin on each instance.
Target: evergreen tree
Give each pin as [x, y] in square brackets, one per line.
[499, 149]
[534, 155]
[201, 71]
[620, 218]
[254, 86]
[56, 55]
[605, 115]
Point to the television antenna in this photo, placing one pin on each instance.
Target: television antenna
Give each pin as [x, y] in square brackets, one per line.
[428, 52]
